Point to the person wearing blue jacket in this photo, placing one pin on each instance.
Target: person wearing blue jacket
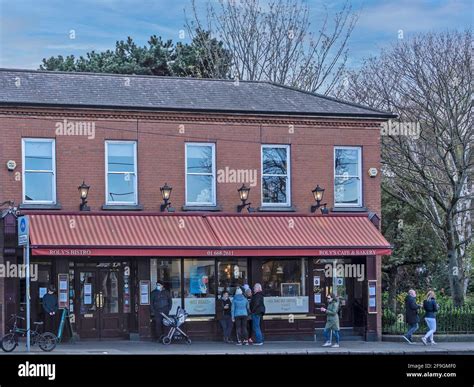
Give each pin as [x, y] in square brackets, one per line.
[240, 311]
[431, 307]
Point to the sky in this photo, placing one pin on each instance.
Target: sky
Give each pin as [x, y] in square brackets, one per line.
[31, 30]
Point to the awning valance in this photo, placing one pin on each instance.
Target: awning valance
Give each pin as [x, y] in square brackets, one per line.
[118, 234]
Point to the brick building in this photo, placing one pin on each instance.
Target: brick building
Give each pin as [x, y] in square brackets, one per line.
[127, 136]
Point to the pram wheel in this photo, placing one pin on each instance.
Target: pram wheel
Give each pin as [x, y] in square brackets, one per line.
[188, 340]
[166, 340]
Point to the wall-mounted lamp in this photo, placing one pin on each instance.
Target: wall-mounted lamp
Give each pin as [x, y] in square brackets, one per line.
[244, 195]
[318, 194]
[84, 192]
[165, 194]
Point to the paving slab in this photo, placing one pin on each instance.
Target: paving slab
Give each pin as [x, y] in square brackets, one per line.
[269, 348]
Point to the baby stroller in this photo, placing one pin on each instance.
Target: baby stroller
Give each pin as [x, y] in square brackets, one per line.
[174, 323]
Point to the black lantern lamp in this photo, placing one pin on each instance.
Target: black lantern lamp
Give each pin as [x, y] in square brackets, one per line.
[244, 195]
[165, 194]
[84, 192]
[318, 194]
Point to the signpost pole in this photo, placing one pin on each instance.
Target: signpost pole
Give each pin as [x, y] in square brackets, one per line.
[28, 301]
[24, 240]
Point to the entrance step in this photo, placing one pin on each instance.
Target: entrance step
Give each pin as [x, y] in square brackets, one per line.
[345, 334]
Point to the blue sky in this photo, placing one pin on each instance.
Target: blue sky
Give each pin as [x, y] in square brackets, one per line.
[33, 29]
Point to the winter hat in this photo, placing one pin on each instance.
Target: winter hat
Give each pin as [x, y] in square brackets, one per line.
[246, 286]
[238, 291]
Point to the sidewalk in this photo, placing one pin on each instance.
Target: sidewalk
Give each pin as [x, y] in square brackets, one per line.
[274, 348]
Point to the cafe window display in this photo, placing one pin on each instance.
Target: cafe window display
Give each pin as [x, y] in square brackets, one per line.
[231, 274]
[199, 287]
[168, 271]
[284, 285]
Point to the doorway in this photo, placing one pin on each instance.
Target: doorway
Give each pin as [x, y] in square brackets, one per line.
[326, 281]
[103, 300]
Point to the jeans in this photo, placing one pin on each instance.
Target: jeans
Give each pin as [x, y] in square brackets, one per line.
[256, 320]
[327, 336]
[50, 323]
[431, 322]
[226, 324]
[241, 328]
[412, 328]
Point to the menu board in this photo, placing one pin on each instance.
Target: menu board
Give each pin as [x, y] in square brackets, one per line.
[144, 292]
[372, 294]
[63, 294]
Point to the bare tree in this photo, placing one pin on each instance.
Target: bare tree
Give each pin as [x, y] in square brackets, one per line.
[428, 159]
[272, 41]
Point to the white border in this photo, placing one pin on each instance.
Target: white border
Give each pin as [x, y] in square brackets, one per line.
[359, 200]
[288, 175]
[135, 202]
[53, 151]
[214, 191]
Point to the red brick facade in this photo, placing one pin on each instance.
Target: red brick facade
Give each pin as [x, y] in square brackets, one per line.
[161, 138]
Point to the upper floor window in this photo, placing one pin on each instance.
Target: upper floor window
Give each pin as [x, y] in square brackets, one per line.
[276, 175]
[39, 170]
[200, 174]
[121, 172]
[347, 176]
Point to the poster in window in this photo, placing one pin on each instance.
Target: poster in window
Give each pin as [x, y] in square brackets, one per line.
[198, 280]
[372, 294]
[316, 281]
[42, 292]
[144, 292]
[290, 289]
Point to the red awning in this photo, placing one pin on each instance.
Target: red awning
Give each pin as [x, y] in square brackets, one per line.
[204, 235]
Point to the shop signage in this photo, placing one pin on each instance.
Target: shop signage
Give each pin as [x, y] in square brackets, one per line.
[75, 252]
[333, 252]
[286, 304]
[200, 305]
[23, 230]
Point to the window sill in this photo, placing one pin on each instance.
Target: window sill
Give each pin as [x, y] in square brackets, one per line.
[276, 209]
[122, 207]
[202, 208]
[33, 206]
[349, 209]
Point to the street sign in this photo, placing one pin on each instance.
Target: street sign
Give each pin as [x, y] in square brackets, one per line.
[23, 230]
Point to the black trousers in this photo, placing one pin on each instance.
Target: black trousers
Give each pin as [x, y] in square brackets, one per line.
[50, 323]
[226, 324]
[159, 327]
[241, 328]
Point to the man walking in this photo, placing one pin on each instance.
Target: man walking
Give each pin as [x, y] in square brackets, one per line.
[161, 302]
[411, 315]
[257, 310]
[50, 307]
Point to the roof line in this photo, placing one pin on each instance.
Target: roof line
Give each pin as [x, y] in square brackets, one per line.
[333, 99]
[382, 115]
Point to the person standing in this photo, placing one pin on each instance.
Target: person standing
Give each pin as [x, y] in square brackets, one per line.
[50, 307]
[224, 315]
[240, 311]
[431, 307]
[411, 315]
[161, 302]
[257, 310]
[332, 322]
[248, 296]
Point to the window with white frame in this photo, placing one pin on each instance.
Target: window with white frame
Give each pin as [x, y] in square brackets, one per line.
[39, 170]
[276, 175]
[200, 174]
[347, 176]
[121, 172]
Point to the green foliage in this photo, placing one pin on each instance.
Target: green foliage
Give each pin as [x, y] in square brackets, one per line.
[204, 57]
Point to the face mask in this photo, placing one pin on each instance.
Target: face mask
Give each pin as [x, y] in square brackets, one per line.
[158, 287]
[225, 297]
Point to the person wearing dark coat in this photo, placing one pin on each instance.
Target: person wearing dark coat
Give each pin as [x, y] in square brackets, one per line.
[224, 315]
[431, 307]
[257, 310]
[411, 315]
[50, 308]
[160, 302]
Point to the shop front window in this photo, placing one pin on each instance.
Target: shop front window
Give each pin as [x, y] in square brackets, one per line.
[284, 285]
[231, 273]
[168, 271]
[199, 287]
